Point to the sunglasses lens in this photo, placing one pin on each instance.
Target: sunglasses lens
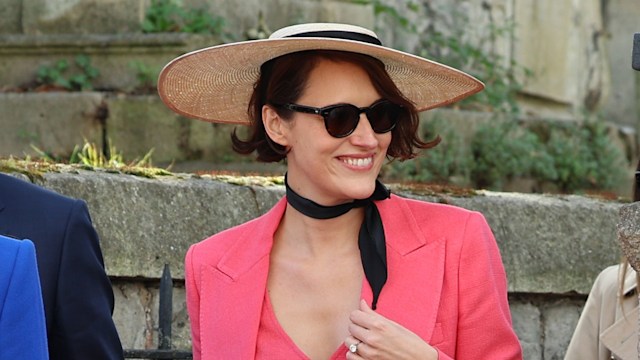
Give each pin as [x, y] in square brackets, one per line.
[342, 120]
[383, 116]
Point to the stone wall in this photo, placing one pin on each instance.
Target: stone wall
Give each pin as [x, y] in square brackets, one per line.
[552, 246]
[579, 51]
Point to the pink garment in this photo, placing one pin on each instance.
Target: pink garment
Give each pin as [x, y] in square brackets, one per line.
[275, 344]
[446, 283]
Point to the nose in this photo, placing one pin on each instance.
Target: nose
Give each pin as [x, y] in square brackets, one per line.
[364, 135]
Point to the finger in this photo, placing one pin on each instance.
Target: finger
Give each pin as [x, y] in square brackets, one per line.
[351, 340]
[358, 333]
[354, 348]
[365, 307]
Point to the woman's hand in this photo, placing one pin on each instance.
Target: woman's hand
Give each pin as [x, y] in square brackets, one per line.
[380, 338]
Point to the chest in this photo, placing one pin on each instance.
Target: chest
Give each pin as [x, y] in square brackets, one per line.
[312, 303]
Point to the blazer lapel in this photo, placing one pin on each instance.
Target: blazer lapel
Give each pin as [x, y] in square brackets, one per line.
[416, 270]
[235, 289]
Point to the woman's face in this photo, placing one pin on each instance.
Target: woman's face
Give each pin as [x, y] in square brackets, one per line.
[323, 168]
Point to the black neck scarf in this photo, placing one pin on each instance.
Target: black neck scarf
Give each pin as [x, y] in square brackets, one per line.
[371, 239]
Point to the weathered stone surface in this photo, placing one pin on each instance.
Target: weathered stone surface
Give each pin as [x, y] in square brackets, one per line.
[562, 41]
[548, 243]
[623, 100]
[121, 59]
[560, 318]
[10, 15]
[144, 224]
[629, 233]
[138, 124]
[527, 324]
[51, 123]
[136, 315]
[82, 16]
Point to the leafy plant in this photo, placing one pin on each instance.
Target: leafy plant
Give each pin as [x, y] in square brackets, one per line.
[585, 158]
[448, 162]
[170, 16]
[57, 74]
[91, 155]
[146, 76]
[503, 151]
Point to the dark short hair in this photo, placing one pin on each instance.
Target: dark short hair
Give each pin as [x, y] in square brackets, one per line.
[283, 79]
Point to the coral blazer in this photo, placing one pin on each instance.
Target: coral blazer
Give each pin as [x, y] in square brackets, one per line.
[446, 283]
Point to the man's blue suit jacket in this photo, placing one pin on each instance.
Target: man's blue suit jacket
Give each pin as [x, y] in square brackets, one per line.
[22, 331]
[77, 294]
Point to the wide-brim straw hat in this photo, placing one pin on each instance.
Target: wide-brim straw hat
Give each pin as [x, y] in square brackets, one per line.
[215, 84]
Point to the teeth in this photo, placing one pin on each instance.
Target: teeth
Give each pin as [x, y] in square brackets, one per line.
[358, 162]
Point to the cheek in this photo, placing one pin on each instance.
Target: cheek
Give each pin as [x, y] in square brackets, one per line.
[385, 140]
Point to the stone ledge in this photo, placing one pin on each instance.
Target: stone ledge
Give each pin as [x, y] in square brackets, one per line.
[549, 244]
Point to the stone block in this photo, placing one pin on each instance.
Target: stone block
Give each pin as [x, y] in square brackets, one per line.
[82, 16]
[10, 12]
[624, 96]
[138, 124]
[124, 61]
[146, 223]
[548, 243]
[52, 122]
[560, 319]
[561, 43]
[526, 320]
[136, 315]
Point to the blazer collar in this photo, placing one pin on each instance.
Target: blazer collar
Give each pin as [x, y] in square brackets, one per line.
[415, 261]
[630, 281]
[401, 231]
[257, 239]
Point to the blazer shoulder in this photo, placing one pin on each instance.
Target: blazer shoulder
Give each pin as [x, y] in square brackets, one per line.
[18, 190]
[15, 253]
[423, 210]
[249, 237]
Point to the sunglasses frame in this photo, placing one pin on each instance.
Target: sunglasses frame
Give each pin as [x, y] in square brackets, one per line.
[325, 112]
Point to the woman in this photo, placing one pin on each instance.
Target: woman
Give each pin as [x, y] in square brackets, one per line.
[608, 326]
[339, 268]
[22, 327]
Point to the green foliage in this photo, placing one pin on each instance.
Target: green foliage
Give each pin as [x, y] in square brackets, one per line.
[573, 157]
[91, 155]
[585, 158]
[81, 77]
[146, 75]
[503, 151]
[446, 163]
[170, 16]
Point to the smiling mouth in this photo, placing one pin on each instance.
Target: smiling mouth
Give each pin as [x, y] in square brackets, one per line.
[360, 162]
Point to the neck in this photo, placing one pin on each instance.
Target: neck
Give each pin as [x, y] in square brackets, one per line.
[317, 236]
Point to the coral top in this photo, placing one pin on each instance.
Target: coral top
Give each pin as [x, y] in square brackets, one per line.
[274, 343]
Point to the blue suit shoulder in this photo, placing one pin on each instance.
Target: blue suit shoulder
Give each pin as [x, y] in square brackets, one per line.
[22, 321]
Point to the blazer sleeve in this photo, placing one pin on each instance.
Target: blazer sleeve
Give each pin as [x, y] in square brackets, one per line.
[484, 329]
[84, 328]
[193, 302]
[22, 326]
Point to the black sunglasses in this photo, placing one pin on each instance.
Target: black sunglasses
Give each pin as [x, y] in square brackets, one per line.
[342, 119]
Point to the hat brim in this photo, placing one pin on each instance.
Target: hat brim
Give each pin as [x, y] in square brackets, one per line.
[215, 84]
